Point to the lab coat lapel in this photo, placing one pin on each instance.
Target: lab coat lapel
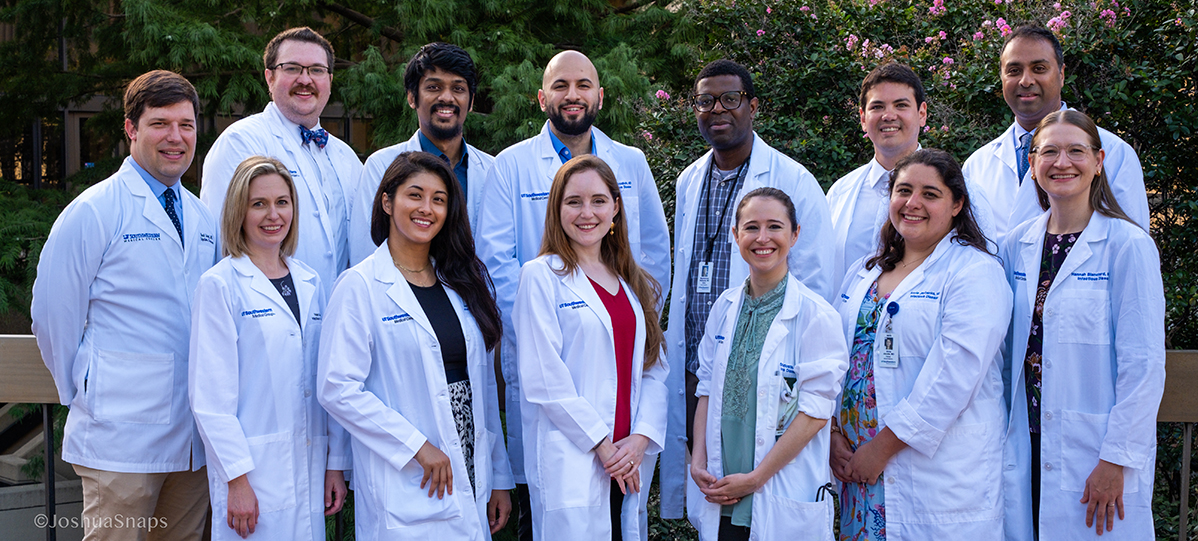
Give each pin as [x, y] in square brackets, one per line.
[1004, 150]
[399, 292]
[152, 209]
[778, 328]
[261, 284]
[305, 289]
[689, 203]
[578, 282]
[550, 161]
[1031, 247]
[603, 149]
[1095, 231]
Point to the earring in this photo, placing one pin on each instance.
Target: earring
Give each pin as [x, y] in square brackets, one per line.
[612, 229]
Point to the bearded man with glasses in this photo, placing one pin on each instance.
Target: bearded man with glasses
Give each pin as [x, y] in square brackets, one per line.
[705, 263]
[299, 73]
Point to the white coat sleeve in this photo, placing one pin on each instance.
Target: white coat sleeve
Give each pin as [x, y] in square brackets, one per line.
[655, 232]
[811, 260]
[346, 356]
[214, 379]
[822, 363]
[340, 457]
[69, 262]
[544, 377]
[361, 245]
[501, 468]
[1127, 183]
[496, 239]
[651, 410]
[975, 312]
[1138, 312]
[229, 150]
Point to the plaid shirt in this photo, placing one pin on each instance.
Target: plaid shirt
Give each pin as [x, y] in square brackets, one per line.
[710, 222]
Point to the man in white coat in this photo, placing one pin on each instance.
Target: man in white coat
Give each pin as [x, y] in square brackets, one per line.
[892, 112]
[299, 73]
[112, 315]
[440, 81]
[510, 225]
[705, 260]
[1032, 70]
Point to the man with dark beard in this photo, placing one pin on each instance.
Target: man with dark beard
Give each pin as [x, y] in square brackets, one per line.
[440, 81]
[510, 225]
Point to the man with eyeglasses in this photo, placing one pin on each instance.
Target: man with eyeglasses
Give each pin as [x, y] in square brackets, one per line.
[440, 81]
[705, 261]
[299, 74]
[1032, 71]
[512, 222]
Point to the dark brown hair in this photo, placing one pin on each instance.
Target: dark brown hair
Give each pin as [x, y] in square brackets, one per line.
[307, 35]
[1102, 199]
[158, 88]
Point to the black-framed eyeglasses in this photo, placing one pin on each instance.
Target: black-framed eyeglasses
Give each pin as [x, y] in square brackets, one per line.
[730, 100]
[291, 69]
[1075, 153]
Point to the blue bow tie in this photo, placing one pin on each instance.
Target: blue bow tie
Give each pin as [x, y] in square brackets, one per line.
[320, 136]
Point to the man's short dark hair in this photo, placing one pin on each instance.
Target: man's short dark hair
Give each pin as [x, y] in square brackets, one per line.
[724, 66]
[892, 72]
[1035, 31]
[158, 88]
[444, 57]
[271, 57]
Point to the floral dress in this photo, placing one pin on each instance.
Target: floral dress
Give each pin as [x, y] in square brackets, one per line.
[863, 509]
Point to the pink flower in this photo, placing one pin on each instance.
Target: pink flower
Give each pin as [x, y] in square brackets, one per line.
[760, 32]
[648, 136]
[978, 36]
[1001, 22]
[768, 10]
[997, 1]
[804, 9]
[850, 42]
[926, 129]
[1065, 14]
[1056, 24]
[937, 8]
[1177, 22]
[1057, 6]
[942, 35]
[987, 22]
[1004, 30]
[929, 39]
[1108, 16]
[662, 95]
[943, 128]
[948, 61]
[952, 86]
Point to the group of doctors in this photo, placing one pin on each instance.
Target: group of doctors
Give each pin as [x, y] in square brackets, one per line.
[866, 338]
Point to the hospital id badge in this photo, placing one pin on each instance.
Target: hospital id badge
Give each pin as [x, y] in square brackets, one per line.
[704, 285]
[888, 354]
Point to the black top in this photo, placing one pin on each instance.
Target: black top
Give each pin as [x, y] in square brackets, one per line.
[435, 303]
[286, 288]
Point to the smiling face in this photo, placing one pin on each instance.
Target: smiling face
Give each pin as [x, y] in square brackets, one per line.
[570, 93]
[441, 103]
[163, 141]
[1031, 80]
[922, 207]
[417, 210]
[588, 209]
[268, 214]
[764, 235]
[1062, 178]
[300, 98]
[892, 121]
[722, 128]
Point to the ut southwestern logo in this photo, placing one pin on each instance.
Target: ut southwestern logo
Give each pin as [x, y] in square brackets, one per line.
[574, 305]
[397, 318]
[263, 312]
[138, 237]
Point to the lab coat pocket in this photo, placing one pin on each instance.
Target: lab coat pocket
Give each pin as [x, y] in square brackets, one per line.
[1084, 317]
[779, 517]
[917, 325]
[962, 478]
[133, 387]
[1081, 442]
[408, 504]
[273, 476]
[571, 478]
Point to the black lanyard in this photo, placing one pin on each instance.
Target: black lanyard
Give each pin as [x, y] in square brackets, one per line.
[712, 233]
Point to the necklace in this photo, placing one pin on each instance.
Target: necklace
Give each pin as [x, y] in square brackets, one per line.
[413, 271]
[904, 264]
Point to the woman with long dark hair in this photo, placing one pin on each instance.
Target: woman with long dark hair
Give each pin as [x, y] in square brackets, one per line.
[918, 443]
[593, 394]
[405, 366]
[1086, 354]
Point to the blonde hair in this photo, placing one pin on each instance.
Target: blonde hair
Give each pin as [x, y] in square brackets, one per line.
[615, 250]
[237, 201]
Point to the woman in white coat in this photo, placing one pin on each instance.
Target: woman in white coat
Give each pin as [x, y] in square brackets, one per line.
[762, 464]
[405, 367]
[274, 460]
[1086, 355]
[593, 393]
[918, 442]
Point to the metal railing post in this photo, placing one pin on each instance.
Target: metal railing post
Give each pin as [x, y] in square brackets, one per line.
[51, 509]
[1183, 522]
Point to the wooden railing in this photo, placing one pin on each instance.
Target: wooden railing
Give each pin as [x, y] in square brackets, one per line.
[24, 378]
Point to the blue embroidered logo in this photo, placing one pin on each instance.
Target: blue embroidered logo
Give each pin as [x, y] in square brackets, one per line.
[574, 305]
[719, 338]
[138, 237]
[929, 295]
[263, 312]
[535, 196]
[1091, 276]
[625, 185]
[1022, 277]
[205, 237]
[397, 318]
[844, 297]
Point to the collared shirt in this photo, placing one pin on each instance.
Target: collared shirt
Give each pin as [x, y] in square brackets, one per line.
[459, 170]
[159, 189]
[1019, 131]
[869, 213]
[563, 151]
[713, 224]
[334, 197]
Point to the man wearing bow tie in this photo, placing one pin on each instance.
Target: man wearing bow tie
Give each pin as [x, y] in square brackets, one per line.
[299, 73]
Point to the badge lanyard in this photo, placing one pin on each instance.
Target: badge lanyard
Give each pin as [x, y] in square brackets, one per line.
[889, 357]
[706, 267]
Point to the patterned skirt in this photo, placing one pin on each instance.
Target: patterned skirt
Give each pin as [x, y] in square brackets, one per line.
[463, 416]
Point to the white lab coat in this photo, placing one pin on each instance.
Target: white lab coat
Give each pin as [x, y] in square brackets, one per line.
[858, 186]
[805, 336]
[992, 167]
[944, 400]
[1104, 373]
[810, 261]
[112, 312]
[568, 369]
[511, 223]
[269, 133]
[381, 376]
[252, 383]
[360, 243]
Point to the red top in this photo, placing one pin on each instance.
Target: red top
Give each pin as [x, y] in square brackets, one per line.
[623, 324]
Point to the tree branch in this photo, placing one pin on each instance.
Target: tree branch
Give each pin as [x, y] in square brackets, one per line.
[633, 6]
[362, 19]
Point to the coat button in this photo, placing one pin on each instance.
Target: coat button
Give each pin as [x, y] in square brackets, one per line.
[1048, 466]
[1047, 364]
[760, 441]
[308, 442]
[1048, 312]
[890, 480]
[1048, 415]
[307, 393]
